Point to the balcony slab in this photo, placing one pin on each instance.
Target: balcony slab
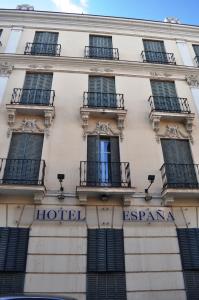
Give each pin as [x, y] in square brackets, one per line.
[170, 195]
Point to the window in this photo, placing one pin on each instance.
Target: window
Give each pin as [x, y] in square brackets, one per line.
[37, 89]
[165, 96]
[196, 50]
[100, 47]
[188, 240]
[179, 167]
[24, 159]
[13, 253]
[102, 92]
[155, 51]
[45, 43]
[103, 161]
[105, 265]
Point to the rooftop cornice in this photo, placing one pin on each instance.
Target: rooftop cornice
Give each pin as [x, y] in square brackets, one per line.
[65, 63]
[50, 19]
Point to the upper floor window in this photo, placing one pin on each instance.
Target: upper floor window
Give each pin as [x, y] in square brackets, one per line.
[101, 47]
[154, 52]
[45, 43]
[196, 50]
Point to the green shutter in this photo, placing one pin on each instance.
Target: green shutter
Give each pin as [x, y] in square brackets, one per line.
[36, 89]
[23, 161]
[180, 170]
[115, 162]
[196, 49]
[4, 234]
[44, 43]
[92, 148]
[100, 47]
[155, 51]
[11, 283]
[191, 279]
[165, 96]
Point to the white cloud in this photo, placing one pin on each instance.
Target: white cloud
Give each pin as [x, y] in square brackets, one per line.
[71, 7]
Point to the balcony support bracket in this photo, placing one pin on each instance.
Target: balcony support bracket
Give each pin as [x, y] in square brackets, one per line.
[85, 117]
[11, 116]
[38, 197]
[127, 200]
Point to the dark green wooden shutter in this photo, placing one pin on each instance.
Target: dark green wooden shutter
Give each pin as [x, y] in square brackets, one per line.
[44, 43]
[23, 161]
[102, 91]
[115, 162]
[191, 279]
[100, 46]
[4, 234]
[106, 286]
[165, 96]
[115, 250]
[36, 89]
[155, 51]
[11, 283]
[92, 159]
[196, 49]
[180, 170]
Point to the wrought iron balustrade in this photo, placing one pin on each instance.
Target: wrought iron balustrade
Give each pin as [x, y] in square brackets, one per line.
[33, 97]
[169, 104]
[42, 49]
[101, 53]
[22, 171]
[197, 60]
[105, 174]
[180, 175]
[103, 100]
[158, 57]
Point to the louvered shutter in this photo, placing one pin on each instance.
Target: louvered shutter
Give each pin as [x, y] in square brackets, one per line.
[92, 160]
[155, 51]
[115, 250]
[108, 87]
[44, 43]
[191, 279]
[115, 162]
[180, 170]
[36, 89]
[106, 286]
[196, 49]
[11, 283]
[95, 91]
[23, 163]
[4, 234]
[165, 97]
[101, 46]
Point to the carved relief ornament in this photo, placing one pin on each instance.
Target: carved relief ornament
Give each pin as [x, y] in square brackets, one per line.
[173, 132]
[192, 80]
[28, 126]
[5, 69]
[104, 129]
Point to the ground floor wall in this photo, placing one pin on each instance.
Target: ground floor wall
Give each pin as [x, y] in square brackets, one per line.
[57, 251]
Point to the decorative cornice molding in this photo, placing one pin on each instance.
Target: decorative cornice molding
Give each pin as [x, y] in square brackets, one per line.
[102, 128]
[5, 69]
[173, 132]
[192, 80]
[26, 125]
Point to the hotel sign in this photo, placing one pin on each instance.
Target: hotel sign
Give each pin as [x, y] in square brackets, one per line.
[60, 214]
[149, 215]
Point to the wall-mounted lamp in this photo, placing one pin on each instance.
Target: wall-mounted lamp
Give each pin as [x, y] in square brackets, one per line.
[151, 179]
[61, 177]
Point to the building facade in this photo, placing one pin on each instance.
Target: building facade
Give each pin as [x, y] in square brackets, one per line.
[99, 151]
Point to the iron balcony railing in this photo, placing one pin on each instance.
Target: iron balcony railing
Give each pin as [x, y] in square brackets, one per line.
[158, 57]
[180, 175]
[42, 49]
[103, 100]
[33, 97]
[101, 53]
[169, 104]
[22, 171]
[105, 174]
[197, 60]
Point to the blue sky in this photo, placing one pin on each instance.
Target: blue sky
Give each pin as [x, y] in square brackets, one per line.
[185, 10]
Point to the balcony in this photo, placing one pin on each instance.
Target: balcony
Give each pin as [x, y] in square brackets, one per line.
[180, 181]
[23, 177]
[158, 57]
[101, 53]
[109, 105]
[171, 109]
[104, 180]
[197, 60]
[42, 49]
[31, 102]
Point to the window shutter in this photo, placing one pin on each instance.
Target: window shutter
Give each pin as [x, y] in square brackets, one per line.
[115, 162]
[180, 169]
[156, 46]
[11, 283]
[36, 89]
[101, 250]
[115, 250]
[92, 147]
[106, 286]
[165, 96]
[4, 233]
[44, 43]
[196, 49]
[155, 51]
[191, 279]
[100, 41]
